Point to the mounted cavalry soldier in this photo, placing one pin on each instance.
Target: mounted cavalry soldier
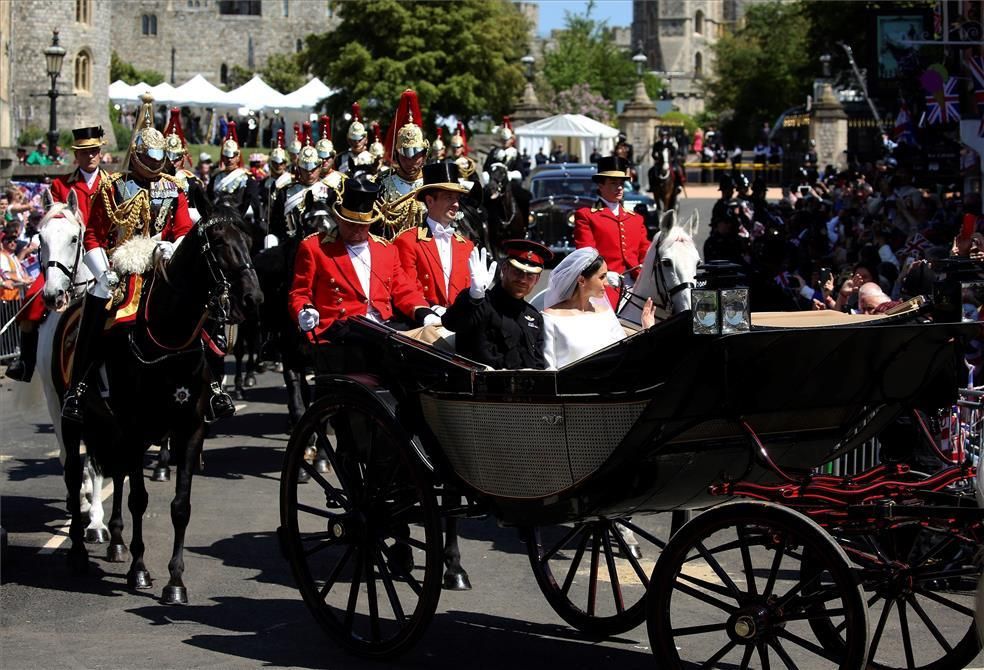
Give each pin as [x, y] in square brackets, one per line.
[176, 161]
[84, 183]
[666, 167]
[291, 201]
[506, 153]
[326, 152]
[467, 166]
[434, 254]
[358, 139]
[280, 177]
[437, 151]
[232, 184]
[409, 149]
[294, 148]
[618, 234]
[137, 214]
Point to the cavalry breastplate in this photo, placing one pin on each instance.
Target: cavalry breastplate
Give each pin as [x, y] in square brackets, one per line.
[295, 199]
[230, 187]
[400, 210]
[162, 195]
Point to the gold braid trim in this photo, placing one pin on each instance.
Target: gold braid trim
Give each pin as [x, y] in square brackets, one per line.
[126, 217]
[400, 215]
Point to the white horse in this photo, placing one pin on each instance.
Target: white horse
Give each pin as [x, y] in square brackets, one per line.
[65, 280]
[669, 270]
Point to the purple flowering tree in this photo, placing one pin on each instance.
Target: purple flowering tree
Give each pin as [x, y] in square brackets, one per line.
[581, 99]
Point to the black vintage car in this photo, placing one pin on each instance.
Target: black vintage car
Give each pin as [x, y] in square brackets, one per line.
[558, 189]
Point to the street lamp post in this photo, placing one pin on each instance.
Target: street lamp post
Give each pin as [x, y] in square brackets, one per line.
[54, 55]
[640, 61]
[527, 62]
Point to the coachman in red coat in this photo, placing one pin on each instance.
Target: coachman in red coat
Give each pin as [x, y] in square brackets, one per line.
[618, 235]
[348, 272]
[434, 254]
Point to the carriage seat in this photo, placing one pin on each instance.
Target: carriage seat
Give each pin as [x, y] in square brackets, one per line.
[831, 318]
[437, 336]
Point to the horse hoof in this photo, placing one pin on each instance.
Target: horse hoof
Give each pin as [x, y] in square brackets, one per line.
[96, 535]
[116, 553]
[237, 394]
[161, 474]
[78, 562]
[456, 581]
[250, 381]
[139, 579]
[174, 595]
[321, 465]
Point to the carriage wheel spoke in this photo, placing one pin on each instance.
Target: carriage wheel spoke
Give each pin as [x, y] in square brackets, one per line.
[880, 628]
[921, 613]
[782, 654]
[332, 456]
[746, 658]
[718, 570]
[649, 537]
[718, 655]
[806, 644]
[337, 571]
[325, 540]
[576, 530]
[906, 638]
[578, 555]
[353, 599]
[970, 571]
[705, 598]
[323, 513]
[332, 495]
[593, 578]
[800, 586]
[623, 546]
[817, 615]
[369, 564]
[404, 577]
[368, 472]
[945, 602]
[774, 570]
[412, 541]
[706, 585]
[934, 551]
[612, 573]
[746, 559]
[763, 651]
[700, 630]
[387, 580]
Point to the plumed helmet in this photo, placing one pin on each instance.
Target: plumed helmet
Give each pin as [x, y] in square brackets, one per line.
[437, 146]
[410, 140]
[174, 139]
[279, 154]
[308, 158]
[147, 142]
[230, 146]
[459, 140]
[405, 135]
[741, 181]
[295, 145]
[324, 146]
[376, 149]
[506, 130]
[357, 130]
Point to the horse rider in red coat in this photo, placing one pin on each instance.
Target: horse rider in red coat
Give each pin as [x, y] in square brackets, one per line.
[433, 253]
[84, 181]
[141, 202]
[618, 234]
[348, 272]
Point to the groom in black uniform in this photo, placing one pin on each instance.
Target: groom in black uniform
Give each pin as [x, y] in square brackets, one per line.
[496, 326]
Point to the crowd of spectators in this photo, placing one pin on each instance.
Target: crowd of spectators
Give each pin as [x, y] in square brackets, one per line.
[21, 211]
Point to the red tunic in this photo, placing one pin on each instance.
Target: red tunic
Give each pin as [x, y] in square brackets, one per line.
[325, 278]
[61, 187]
[422, 264]
[101, 232]
[621, 240]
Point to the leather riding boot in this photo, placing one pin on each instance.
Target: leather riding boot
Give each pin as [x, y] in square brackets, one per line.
[22, 369]
[219, 404]
[90, 329]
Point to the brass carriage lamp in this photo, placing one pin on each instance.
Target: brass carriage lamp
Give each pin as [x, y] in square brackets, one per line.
[720, 306]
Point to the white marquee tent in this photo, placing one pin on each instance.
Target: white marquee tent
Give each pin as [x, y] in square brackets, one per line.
[198, 91]
[576, 132]
[256, 94]
[307, 96]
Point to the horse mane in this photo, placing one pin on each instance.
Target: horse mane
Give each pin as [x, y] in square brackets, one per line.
[223, 214]
[60, 210]
[674, 235]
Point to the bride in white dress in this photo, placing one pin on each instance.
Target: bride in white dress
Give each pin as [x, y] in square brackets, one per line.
[578, 320]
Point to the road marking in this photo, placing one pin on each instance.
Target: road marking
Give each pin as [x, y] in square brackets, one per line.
[58, 539]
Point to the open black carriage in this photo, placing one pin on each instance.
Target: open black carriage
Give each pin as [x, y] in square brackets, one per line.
[664, 420]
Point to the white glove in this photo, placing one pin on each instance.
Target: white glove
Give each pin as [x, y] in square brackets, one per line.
[106, 279]
[613, 278]
[164, 250]
[270, 241]
[308, 318]
[439, 309]
[432, 320]
[481, 272]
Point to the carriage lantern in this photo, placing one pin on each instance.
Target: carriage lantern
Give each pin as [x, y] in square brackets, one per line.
[720, 306]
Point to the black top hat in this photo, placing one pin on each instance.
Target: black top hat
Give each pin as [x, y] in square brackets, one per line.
[358, 203]
[87, 138]
[614, 167]
[526, 255]
[443, 175]
[726, 182]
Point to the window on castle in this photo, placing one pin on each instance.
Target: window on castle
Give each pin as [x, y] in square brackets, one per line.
[83, 72]
[699, 22]
[83, 11]
[224, 74]
[299, 46]
[698, 65]
[286, 8]
[250, 56]
[148, 24]
[241, 7]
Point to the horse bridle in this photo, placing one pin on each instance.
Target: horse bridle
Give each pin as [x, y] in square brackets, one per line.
[664, 293]
[217, 305]
[75, 265]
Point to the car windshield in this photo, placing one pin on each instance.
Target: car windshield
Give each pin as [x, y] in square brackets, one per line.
[572, 186]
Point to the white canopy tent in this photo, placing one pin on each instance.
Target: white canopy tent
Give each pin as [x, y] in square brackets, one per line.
[575, 131]
[307, 96]
[256, 94]
[198, 91]
[120, 91]
[163, 93]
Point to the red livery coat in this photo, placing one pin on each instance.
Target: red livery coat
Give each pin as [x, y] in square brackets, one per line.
[422, 264]
[75, 181]
[325, 278]
[621, 240]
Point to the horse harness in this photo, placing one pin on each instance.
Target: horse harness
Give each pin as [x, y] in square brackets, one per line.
[663, 290]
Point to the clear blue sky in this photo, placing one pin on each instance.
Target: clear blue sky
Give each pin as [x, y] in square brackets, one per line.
[616, 12]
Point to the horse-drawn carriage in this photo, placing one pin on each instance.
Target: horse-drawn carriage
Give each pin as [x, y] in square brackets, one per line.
[783, 567]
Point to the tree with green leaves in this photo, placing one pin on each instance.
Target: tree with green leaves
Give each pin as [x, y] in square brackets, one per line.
[283, 72]
[120, 69]
[461, 58]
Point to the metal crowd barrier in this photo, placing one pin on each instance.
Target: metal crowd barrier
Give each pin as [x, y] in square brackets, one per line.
[10, 339]
[702, 172]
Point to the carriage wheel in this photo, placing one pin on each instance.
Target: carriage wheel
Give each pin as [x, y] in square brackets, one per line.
[590, 574]
[921, 583]
[363, 540]
[729, 589]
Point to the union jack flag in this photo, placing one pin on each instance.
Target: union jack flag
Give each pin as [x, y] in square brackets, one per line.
[903, 126]
[949, 110]
[976, 66]
[916, 246]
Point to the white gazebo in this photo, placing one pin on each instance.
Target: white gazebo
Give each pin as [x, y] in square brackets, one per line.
[308, 95]
[163, 93]
[574, 131]
[257, 95]
[199, 91]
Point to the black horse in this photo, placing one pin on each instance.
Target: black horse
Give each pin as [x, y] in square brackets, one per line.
[508, 206]
[159, 383]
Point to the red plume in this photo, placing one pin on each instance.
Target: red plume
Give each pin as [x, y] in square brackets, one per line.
[326, 128]
[376, 133]
[231, 134]
[174, 126]
[280, 138]
[297, 132]
[506, 123]
[464, 137]
[356, 112]
[407, 111]
[440, 133]
[306, 139]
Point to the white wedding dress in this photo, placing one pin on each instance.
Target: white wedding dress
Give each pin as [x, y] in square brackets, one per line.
[567, 338]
